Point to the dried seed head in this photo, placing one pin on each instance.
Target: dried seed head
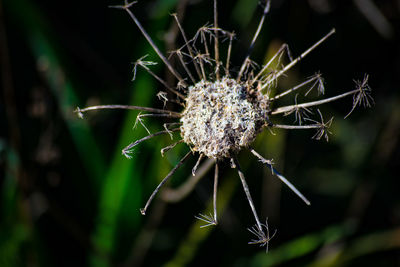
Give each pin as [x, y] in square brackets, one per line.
[222, 117]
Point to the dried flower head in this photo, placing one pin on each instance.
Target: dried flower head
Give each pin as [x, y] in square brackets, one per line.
[224, 111]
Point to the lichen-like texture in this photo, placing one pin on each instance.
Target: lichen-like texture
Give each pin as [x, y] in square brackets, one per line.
[222, 117]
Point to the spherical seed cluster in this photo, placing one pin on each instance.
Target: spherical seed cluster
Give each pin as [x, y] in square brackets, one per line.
[222, 117]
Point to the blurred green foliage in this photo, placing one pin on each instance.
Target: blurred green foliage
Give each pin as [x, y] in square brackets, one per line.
[68, 196]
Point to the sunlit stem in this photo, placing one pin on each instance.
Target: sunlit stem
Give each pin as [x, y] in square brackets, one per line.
[154, 115]
[242, 68]
[197, 164]
[280, 176]
[153, 45]
[143, 210]
[188, 45]
[127, 150]
[247, 192]
[295, 61]
[296, 127]
[171, 114]
[266, 66]
[310, 104]
[167, 148]
[315, 77]
[215, 192]
[216, 42]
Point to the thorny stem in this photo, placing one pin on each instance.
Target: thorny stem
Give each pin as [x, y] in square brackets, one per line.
[295, 61]
[242, 68]
[150, 41]
[143, 210]
[127, 150]
[247, 192]
[313, 103]
[171, 114]
[280, 176]
[188, 45]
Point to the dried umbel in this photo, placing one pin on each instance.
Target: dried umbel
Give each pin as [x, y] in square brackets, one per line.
[222, 117]
[224, 111]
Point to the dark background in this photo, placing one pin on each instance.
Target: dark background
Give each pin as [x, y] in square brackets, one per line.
[69, 198]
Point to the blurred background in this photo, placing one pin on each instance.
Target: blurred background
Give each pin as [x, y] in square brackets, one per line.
[68, 196]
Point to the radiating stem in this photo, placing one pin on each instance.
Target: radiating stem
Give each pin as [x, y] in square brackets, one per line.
[242, 68]
[281, 177]
[247, 192]
[216, 42]
[126, 151]
[315, 77]
[167, 148]
[171, 114]
[163, 82]
[277, 54]
[215, 192]
[228, 57]
[143, 210]
[188, 46]
[313, 103]
[296, 127]
[179, 53]
[197, 164]
[153, 45]
[295, 61]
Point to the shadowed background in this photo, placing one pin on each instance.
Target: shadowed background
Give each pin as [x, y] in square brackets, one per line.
[68, 196]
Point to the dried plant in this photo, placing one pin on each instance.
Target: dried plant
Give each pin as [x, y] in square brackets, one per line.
[223, 111]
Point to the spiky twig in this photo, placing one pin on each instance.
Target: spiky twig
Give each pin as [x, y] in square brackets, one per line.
[362, 95]
[262, 238]
[323, 129]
